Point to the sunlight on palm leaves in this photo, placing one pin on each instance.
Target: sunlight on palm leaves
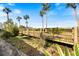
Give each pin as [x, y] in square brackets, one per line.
[45, 52]
[76, 50]
[66, 51]
[60, 50]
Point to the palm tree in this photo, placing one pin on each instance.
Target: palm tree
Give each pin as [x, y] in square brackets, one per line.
[42, 14]
[46, 8]
[26, 17]
[19, 18]
[7, 11]
[74, 6]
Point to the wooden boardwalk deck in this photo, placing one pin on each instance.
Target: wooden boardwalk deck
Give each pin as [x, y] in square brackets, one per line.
[68, 44]
[63, 43]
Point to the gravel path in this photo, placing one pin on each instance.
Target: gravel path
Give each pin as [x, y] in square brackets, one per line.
[7, 49]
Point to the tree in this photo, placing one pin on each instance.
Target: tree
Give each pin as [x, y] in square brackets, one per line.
[19, 18]
[7, 11]
[74, 6]
[26, 17]
[42, 14]
[46, 8]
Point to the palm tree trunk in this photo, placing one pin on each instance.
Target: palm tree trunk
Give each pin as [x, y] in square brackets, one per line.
[19, 27]
[7, 16]
[42, 25]
[46, 23]
[26, 25]
[76, 28]
[42, 30]
[27, 28]
[19, 23]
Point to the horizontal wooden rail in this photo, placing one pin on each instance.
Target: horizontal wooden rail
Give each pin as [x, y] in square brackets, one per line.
[61, 43]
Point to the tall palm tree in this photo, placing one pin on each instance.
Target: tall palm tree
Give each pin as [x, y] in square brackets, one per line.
[26, 17]
[19, 18]
[7, 11]
[46, 8]
[74, 6]
[42, 14]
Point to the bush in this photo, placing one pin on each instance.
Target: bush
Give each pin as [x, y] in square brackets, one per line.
[47, 44]
[6, 34]
[11, 28]
[15, 31]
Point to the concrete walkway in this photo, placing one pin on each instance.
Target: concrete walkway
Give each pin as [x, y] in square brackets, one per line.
[7, 49]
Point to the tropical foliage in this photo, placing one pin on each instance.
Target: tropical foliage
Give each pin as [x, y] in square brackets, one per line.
[7, 11]
[19, 18]
[10, 27]
[45, 9]
[26, 17]
[67, 52]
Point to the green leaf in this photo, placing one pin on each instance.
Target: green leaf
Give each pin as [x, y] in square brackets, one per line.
[46, 53]
[60, 50]
[76, 50]
[66, 52]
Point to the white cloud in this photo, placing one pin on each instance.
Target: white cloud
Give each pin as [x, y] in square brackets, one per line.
[11, 4]
[17, 11]
[1, 7]
[3, 15]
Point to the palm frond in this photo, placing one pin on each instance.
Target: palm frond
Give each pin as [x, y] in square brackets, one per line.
[60, 52]
[76, 50]
[72, 5]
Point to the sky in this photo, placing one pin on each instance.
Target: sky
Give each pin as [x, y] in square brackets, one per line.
[58, 15]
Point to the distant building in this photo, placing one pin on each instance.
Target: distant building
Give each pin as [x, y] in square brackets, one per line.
[1, 26]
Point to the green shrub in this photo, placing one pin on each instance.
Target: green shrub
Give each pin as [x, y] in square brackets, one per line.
[6, 34]
[11, 28]
[15, 31]
[47, 44]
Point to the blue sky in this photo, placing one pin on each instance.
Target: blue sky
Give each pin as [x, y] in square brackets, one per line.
[58, 15]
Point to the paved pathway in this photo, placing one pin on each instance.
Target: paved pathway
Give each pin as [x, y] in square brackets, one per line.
[8, 50]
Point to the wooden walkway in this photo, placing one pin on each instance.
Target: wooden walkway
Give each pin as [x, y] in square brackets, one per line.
[68, 44]
[63, 43]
